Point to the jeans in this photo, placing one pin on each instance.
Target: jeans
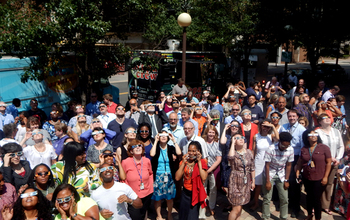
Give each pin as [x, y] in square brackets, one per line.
[283, 197]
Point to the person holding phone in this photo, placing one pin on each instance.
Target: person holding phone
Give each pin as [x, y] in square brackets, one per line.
[193, 170]
[14, 170]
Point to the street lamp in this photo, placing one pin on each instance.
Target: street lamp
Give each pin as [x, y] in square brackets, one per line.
[184, 20]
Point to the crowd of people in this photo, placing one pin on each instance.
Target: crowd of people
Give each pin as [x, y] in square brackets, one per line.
[113, 161]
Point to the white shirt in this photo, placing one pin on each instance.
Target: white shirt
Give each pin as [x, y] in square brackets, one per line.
[35, 157]
[105, 119]
[334, 141]
[184, 145]
[108, 199]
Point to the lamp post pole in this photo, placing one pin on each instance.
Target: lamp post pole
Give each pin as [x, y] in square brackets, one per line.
[184, 20]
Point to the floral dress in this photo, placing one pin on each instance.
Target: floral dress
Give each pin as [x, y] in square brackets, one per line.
[83, 177]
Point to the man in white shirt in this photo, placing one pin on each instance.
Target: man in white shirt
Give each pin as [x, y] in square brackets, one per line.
[105, 117]
[330, 93]
[191, 136]
[112, 197]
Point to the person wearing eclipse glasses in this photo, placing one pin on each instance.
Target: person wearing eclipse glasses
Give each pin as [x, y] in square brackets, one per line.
[14, 170]
[31, 204]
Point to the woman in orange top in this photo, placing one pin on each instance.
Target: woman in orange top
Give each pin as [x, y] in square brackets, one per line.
[194, 170]
[199, 118]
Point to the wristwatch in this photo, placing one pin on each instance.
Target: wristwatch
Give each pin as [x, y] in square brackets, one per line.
[75, 215]
[286, 180]
[132, 201]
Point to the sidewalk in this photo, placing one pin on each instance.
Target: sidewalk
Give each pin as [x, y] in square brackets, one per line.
[222, 202]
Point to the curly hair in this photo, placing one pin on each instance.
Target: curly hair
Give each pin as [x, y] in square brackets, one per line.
[43, 206]
[149, 137]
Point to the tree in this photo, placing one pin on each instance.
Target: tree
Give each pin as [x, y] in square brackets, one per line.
[55, 30]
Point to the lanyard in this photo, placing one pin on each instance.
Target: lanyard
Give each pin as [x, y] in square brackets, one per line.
[140, 174]
[164, 159]
[311, 153]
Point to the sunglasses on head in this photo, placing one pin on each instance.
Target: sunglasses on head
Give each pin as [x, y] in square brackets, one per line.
[19, 153]
[135, 146]
[25, 195]
[43, 173]
[106, 168]
[65, 199]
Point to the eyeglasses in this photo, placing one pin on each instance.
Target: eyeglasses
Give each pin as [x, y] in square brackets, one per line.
[65, 199]
[106, 168]
[102, 106]
[144, 131]
[232, 125]
[129, 132]
[19, 154]
[47, 173]
[97, 132]
[237, 138]
[25, 195]
[275, 117]
[135, 146]
[235, 109]
[312, 135]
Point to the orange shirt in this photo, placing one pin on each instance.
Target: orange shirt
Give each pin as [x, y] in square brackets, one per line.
[188, 176]
[200, 122]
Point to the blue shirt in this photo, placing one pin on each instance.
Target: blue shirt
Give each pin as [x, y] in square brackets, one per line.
[257, 113]
[92, 108]
[178, 133]
[12, 110]
[296, 131]
[5, 119]
[230, 118]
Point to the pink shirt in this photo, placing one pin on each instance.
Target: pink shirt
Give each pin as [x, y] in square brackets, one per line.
[8, 197]
[133, 175]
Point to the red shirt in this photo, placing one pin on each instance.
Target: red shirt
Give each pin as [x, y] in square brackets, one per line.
[133, 179]
[111, 108]
[320, 154]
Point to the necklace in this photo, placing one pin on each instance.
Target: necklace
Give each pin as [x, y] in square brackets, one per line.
[189, 171]
[240, 152]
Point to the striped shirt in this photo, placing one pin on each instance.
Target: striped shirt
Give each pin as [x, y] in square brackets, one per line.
[278, 160]
[213, 151]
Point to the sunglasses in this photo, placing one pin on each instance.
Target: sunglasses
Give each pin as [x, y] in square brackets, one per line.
[237, 126]
[43, 173]
[93, 96]
[284, 146]
[54, 112]
[108, 154]
[216, 119]
[106, 168]
[325, 117]
[129, 132]
[93, 122]
[234, 109]
[102, 106]
[144, 131]
[275, 117]
[121, 109]
[25, 195]
[312, 135]
[35, 133]
[97, 132]
[264, 126]
[237, 138]
[65, 199]
[175, 102]
[81, 116]
[79, 106]
[163, 135]
[135, 146]
[3, 105]
[19, 154]
[247, 113]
